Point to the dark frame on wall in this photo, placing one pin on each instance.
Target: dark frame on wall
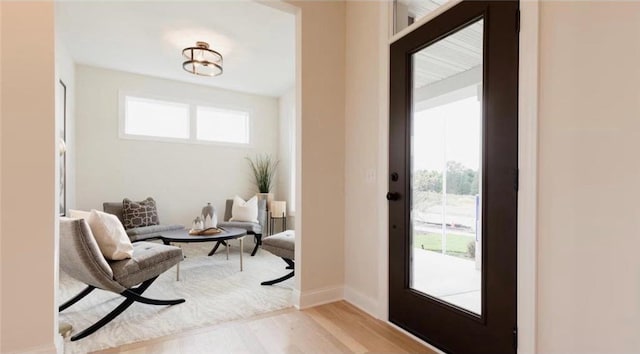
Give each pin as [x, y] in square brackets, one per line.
[62, 136]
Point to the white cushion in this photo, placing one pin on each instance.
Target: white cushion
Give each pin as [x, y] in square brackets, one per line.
[79, 214]
[244, 211]
[110, 235]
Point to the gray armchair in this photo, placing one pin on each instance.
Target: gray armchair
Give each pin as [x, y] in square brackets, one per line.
[80, 257]
[252, 228]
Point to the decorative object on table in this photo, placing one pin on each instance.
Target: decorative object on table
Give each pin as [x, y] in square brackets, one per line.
[277, 211]
[202, 61]
[209, 216]
[205, 232]
[139, 214]
[197, 224]
[264, 170]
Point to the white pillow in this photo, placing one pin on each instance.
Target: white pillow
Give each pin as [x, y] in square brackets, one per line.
[244, 211]
[110, 235]
[79, 214]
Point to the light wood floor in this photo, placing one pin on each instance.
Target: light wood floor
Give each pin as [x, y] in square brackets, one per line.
[333, 328]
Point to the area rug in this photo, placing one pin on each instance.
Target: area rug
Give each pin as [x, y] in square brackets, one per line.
[214, 288]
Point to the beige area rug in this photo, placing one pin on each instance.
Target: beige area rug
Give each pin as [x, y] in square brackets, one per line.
[214, 288]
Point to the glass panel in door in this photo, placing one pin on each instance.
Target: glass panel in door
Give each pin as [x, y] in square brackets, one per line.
[446, 167]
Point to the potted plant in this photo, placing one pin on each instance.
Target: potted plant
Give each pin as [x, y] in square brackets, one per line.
[264, 170]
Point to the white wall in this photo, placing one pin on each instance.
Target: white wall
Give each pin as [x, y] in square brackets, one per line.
[28, 202]
[65, 71]
[320, 96]
[181, 177]
[589, 211]
[364, 202]
[286, 149]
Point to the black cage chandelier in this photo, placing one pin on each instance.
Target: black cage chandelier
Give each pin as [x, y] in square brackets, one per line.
[202, 61]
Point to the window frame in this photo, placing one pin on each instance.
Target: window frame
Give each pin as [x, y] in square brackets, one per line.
[192, 114]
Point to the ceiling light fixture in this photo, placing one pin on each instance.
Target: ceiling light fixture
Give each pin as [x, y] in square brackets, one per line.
[202, 61]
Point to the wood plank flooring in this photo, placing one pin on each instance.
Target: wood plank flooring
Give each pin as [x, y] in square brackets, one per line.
[333, 328]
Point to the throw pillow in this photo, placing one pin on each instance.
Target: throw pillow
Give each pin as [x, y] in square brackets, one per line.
[78, 214]
[110, 235]
[139, 214]
[244, 210]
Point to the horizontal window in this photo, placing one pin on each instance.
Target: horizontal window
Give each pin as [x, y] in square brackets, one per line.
[215, 124]
[161, 120]
[156, 118]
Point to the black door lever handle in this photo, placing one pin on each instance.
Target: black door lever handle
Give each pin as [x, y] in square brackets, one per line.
[393, 196]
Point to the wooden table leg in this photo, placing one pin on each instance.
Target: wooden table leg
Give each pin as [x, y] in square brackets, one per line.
[228, 245]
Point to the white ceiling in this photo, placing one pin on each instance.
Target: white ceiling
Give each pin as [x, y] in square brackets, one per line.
[256, 41]
[455, 54]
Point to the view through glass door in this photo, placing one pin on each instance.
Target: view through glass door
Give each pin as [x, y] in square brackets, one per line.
[453, 150]
[446, 160]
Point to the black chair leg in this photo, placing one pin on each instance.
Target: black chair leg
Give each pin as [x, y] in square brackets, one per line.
[76, 298]
[281, 279]
[290, 265]
[103, 321]
[131, 296]
[145, 300]
[258, 244]
[215, 248]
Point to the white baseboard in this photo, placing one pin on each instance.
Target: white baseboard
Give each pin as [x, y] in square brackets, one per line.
[363, 302]
[59, 344]
[295, 298]
[316, 297]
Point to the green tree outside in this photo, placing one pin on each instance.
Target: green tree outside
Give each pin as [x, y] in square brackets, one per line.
[460, 180]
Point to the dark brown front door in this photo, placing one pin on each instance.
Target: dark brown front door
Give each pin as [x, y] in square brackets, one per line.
[453, 185]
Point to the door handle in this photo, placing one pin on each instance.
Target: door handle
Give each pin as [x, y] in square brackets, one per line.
[391, 196]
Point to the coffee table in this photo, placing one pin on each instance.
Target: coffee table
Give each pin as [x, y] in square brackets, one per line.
[182, 236]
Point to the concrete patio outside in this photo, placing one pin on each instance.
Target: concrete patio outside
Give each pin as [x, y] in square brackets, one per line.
[452, 279]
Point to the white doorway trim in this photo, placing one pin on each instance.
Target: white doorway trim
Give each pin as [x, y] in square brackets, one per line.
[285, 6]
[528, 174]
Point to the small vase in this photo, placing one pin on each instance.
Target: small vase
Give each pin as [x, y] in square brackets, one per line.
[197, 224]
[208, 212]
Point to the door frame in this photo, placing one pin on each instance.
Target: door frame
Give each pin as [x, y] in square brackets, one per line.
[527, 164]
[418, 310]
